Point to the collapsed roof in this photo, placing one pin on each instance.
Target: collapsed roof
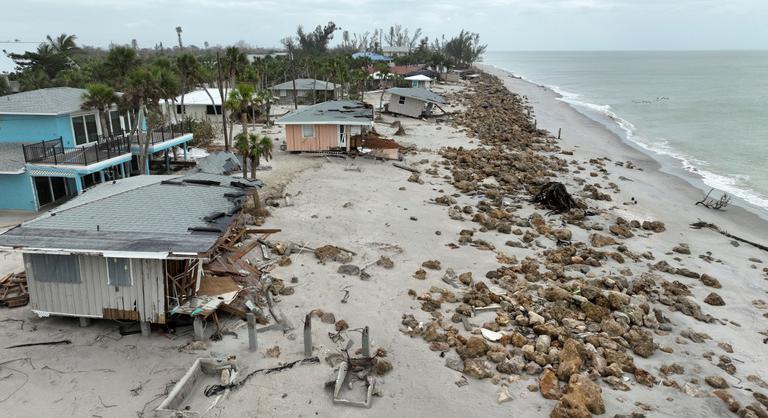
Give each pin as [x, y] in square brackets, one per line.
[178, 216]
[306, 84]
[417, 93]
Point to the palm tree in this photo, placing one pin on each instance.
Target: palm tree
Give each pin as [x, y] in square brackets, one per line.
[264, 99]
[101, 97]
[261, 147]
[190, 73]
[63, 44]
[383, 70]
[240, 100]
[243, 146]
[143, 92]
[120, 61]
[178, 33]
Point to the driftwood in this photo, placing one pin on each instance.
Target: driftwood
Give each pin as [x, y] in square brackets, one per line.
[555, 197]
[718, 204]
[216, 389]
[400, 130]
[701, 224]
[407, 168]
[43, 343]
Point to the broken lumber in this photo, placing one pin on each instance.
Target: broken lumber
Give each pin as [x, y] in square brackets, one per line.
[701, 224]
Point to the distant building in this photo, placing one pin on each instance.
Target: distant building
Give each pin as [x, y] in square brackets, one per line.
[326, 126]
[371, 56]
[413, 102]
[307, 91]
[51, 148]
[198, 105]
[254, 57]
[131, 250]
[395, 51]
[419, 81]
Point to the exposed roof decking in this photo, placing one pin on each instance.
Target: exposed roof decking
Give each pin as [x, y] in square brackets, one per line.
[335, 112]
[417, 93]
[51, 102]
[306, 84]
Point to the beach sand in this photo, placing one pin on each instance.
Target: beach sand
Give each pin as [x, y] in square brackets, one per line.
[371, 208]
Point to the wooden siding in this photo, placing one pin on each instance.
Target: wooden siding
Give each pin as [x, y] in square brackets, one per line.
[412, 107]
[326, 137]
[93, 297]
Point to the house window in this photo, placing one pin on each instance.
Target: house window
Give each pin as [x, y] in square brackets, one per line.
[283, 93]
[178, 110]
[401, 100]
[85, 129]
[119, 271]
[209, 110]
[53, 268]
[308, 131]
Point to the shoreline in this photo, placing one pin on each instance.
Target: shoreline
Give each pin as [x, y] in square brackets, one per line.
[550, 113]
[669, 164]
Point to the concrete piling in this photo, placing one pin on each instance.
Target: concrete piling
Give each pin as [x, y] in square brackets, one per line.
[252, 343]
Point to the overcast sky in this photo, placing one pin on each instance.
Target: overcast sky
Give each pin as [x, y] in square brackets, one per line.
[502, 24]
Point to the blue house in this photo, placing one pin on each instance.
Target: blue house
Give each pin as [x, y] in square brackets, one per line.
[51, 148]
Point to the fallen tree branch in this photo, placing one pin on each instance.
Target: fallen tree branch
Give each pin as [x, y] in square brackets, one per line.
[701, 224]
[718, 204]
[42, 343]
[554, 196]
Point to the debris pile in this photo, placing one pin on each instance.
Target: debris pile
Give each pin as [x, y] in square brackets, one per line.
[13, 290]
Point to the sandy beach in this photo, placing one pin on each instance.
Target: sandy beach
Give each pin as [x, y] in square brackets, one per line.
[371, 208]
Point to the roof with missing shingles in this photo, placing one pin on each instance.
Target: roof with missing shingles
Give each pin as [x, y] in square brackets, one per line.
[417, 93]
[144, 214]
[334, 112]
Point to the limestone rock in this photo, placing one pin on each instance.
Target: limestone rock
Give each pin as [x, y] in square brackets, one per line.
[710, 281]
[716, 382]
[714, 299]
[725, 396]
[431, 264]
[570, 359]
[599, 240]
[549, 386]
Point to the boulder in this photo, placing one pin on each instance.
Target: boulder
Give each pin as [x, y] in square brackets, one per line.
[570, 359]
[549, 386]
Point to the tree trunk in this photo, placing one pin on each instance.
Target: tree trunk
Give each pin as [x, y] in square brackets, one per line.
[245, 166]
[105, 129]
[223, 110]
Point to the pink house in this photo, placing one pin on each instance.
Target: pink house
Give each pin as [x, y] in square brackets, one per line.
[326, 126]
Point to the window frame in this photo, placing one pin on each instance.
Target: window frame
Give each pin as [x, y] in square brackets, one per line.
[38, 259]
[401, 100]
[304, 132]
[130, 272]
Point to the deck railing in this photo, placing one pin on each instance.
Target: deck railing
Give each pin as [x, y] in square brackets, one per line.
[54, 151]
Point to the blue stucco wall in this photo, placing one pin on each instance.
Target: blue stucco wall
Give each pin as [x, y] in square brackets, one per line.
[17, 192]
[25, 128]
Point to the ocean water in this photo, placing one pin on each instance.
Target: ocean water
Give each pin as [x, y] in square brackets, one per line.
[706, 112]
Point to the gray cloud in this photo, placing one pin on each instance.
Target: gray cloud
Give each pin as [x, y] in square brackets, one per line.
[503, 24]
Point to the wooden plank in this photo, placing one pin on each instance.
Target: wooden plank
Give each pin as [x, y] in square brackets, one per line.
[244, 250]
[263, 230]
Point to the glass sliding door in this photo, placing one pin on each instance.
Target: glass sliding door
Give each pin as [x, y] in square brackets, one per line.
[78, 126]
[91, 128]
[114, 119]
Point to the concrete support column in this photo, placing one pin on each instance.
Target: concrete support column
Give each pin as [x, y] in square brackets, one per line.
[79, 184]
[252, 343]
[101, 175]
[122, 170]
[85, 322]
[146, 329]
[185, 151]
[146, 164]
[167, 162]
[197, 325]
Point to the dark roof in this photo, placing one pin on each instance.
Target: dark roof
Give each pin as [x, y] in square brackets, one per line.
[334, 112]
[417, 93]
[306, 84]
[424, 71]
[182, 215]
[50, 101]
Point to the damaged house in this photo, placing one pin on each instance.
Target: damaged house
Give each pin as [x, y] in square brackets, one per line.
[326, 126]
[414, 102]
[129, 250]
